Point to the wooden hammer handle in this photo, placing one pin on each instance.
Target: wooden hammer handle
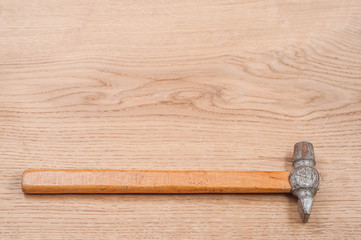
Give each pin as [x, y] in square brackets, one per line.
[48, 181]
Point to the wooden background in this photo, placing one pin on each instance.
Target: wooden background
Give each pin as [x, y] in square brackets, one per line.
[179, 85]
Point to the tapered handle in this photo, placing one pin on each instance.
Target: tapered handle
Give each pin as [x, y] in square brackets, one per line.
[48, 181]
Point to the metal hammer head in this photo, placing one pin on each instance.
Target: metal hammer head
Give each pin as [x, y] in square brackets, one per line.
[304, 178]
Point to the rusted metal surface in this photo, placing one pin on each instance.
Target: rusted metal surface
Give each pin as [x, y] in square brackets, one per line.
[304, 178]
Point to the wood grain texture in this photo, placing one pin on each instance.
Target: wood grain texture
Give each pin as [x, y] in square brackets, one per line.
[180, 85]
[53, 181]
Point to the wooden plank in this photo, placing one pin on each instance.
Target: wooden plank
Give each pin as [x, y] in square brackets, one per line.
[49, 181]
[179, 85]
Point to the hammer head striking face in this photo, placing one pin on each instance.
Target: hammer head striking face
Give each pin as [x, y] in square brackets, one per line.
[304, 178]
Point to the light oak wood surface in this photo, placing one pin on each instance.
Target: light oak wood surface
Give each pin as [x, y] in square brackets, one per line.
[57, 181]
[179, 85]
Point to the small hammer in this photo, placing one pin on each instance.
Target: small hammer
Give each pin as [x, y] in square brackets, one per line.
[302, 181]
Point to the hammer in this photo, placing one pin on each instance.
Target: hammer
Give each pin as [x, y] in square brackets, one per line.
[302, 181]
